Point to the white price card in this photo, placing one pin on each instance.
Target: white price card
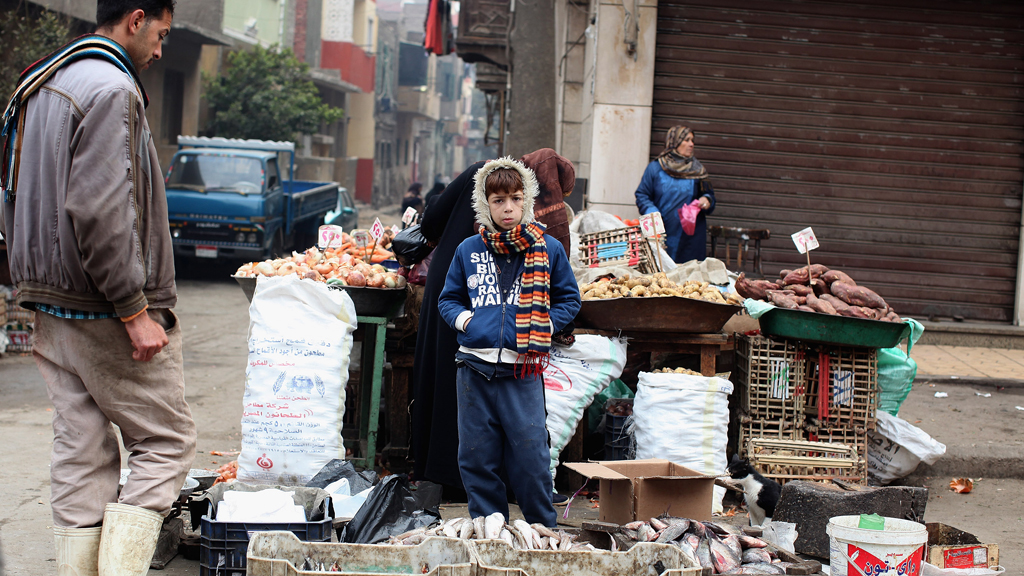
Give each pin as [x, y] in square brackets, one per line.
[361, 237]
[395, 228]
[409, 216]
[329, 237]
[377, 230]
[652, 224]
[805, 240]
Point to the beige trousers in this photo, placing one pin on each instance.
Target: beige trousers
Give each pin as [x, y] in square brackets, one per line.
[92, 381]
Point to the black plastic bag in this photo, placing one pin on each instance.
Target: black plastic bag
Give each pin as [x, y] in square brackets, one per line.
[392, 509]
[410, 247]
[336, 470]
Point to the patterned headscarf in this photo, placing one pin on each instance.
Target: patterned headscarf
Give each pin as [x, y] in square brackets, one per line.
[675, 164]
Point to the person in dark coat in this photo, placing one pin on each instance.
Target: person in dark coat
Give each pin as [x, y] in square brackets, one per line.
[412, 198]
[448, 220]
[556, 178]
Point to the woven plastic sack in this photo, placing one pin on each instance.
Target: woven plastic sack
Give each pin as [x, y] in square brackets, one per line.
[573, 377]
[684, 419]
[896, 372]
[300, 342]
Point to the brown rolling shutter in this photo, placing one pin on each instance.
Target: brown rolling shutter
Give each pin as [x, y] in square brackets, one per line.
[894, 128]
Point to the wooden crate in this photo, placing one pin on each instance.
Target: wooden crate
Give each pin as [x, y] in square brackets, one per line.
[786, 460]
[822, 431]
[850, 376]
[776, 429]
[771, 375]
[619, 247]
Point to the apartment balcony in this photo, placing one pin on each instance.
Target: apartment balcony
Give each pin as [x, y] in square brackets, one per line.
[419, 101]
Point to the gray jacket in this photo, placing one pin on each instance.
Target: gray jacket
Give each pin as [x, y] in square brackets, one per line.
[88, 230]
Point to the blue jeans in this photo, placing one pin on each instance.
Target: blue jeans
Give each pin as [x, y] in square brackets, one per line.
[501, 421]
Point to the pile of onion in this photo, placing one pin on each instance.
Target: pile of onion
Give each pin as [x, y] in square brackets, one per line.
[324, 266]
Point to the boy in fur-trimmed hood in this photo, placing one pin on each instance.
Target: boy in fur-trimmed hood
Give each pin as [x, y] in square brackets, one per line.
[507, 291]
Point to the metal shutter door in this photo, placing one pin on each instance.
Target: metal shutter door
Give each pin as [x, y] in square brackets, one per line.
[894, 128]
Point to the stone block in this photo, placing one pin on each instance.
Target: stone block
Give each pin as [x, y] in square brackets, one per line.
[809, 505]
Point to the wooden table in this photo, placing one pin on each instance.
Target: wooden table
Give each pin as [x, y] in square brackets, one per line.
[709, 346]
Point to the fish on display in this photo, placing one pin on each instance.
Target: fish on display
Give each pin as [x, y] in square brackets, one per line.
[722, 556]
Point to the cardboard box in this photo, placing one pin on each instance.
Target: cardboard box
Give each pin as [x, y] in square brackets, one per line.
[949, 547]
[643, 489]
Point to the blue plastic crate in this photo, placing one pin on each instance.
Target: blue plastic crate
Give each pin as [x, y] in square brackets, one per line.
[223, 544]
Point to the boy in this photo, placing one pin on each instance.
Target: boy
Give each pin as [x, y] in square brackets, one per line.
[507, 291]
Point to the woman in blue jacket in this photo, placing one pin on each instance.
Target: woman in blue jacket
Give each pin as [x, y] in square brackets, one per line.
[672, 181]
[508, 290]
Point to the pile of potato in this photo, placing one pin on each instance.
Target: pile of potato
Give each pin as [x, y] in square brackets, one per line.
[654, 285]
[816, 288]
[676, 371]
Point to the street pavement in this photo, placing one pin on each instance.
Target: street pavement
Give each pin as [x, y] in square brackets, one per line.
[983, 434]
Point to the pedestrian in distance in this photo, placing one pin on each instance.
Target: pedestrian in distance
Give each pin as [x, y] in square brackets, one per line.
[671, 181]
[85, 218]
[412, 198]
[508, 290]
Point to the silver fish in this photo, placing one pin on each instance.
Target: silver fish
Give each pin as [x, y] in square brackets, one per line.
[688, 551]
[734, 545]
[615, 545]
[658, 524]
[532, 538]
[751, 542]
[721, 556]
[414, 539]
[478, 528]
[543, 530]
[671, 533]
[756, 555]
[761, 568]
[565, 541]
[704, 553]
[506, 536]
[677, 521]
[449, 531]
[493, 525]
[722, 529]
[646, 534]
[466, 530]
[522, 543]
[554, 542]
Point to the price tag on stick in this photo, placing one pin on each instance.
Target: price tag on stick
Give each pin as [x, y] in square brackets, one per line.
[329, 237]
[409, 216]
[806, 241]
[377, 230]
[652, 225]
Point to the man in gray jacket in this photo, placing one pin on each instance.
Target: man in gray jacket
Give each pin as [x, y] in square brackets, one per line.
[85, 218]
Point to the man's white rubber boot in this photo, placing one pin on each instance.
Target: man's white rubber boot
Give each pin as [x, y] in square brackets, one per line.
[77, 550]
[129, 540]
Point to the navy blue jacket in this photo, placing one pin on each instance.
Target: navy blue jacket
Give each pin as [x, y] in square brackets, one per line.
[489, 288]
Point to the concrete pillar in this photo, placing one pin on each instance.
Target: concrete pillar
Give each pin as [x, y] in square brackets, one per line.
[619, 94]
[531, 119]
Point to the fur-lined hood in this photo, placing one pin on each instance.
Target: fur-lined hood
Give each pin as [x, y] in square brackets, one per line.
[530, 190]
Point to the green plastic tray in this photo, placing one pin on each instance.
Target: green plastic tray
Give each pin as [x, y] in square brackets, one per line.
[829, 329]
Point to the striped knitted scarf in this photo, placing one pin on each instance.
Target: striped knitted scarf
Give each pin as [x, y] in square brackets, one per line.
[533, 323]
[13, 122]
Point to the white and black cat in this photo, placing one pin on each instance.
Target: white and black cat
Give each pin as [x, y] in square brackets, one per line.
[760, 493]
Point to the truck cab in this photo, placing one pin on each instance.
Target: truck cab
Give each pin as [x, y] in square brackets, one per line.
[236, 200]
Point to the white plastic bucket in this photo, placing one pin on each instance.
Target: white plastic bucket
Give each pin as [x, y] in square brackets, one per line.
[898, 550]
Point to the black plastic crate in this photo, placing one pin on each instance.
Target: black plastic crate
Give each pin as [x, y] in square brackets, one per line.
[616, 441]
[223, 544]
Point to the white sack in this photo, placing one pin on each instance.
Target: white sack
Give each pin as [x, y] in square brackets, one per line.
[271, 505]
[300, 341]
[684, 419]
[571, 380]
[896, 447]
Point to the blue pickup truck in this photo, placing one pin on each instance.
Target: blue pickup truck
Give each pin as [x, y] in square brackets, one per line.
[230, 199]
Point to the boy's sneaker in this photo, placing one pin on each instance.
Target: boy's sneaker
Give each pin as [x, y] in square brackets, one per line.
[559, 499]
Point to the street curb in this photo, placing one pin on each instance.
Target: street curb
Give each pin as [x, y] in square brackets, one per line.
[970, 381]
[958, 466]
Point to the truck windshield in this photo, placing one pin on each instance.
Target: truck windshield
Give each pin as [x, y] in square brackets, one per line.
[206, 172]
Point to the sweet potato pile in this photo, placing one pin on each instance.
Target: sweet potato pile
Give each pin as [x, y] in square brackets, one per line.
[815, 288]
